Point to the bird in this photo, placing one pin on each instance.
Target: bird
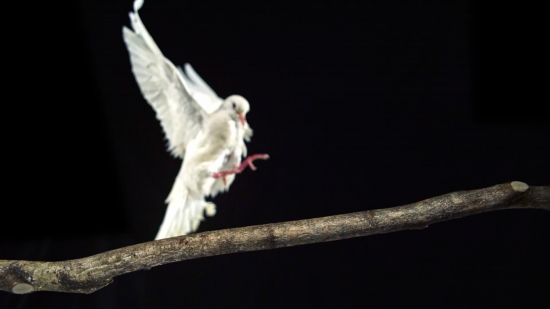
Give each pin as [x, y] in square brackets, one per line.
[207, 132]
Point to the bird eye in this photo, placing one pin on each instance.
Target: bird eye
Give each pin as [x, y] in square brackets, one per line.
[234, 106]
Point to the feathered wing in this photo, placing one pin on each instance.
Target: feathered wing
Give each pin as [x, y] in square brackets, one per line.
[200, 90]
[180, 102]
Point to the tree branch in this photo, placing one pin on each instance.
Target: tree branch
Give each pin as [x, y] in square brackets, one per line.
[89, 274]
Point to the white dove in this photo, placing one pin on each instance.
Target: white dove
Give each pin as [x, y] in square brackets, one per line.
[207, 132]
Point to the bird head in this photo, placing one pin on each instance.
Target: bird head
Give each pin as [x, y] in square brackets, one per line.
[238, 105]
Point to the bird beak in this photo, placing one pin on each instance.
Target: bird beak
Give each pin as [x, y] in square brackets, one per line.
[242, 118]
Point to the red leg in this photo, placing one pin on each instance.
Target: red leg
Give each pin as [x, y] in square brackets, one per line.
[240, 168]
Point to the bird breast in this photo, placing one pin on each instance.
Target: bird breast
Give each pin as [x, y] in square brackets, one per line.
[219, 146]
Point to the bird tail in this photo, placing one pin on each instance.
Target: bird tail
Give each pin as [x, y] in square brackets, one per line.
[183, 215]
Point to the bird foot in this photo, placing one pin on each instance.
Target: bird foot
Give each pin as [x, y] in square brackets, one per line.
[242, 167]
[210, 209]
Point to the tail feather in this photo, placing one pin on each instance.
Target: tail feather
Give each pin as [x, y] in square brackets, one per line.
[183, 216]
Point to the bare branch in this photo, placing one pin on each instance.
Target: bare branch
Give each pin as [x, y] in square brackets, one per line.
[89, 274]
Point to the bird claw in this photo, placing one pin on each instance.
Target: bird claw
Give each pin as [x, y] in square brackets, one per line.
[210, 209]
[240, 168]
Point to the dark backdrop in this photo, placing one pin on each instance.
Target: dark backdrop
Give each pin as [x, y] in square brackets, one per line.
[361, 106]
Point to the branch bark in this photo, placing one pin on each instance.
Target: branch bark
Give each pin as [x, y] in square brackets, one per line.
[89, 274]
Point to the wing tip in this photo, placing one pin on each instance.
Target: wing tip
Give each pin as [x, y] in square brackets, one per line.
[126, 30]
[138, 4]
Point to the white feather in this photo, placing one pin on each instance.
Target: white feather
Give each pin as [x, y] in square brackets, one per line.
[208, 137]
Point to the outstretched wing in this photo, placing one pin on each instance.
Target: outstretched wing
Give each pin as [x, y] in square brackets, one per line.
[180, 102]
[200, 90]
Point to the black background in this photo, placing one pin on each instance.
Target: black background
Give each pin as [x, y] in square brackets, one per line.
[360, 106]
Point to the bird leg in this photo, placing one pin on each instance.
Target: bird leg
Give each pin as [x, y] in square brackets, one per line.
[240, 168]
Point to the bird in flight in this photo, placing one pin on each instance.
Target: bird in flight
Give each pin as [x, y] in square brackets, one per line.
[207, 132]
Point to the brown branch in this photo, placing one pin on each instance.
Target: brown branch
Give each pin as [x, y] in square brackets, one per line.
[89, 274]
